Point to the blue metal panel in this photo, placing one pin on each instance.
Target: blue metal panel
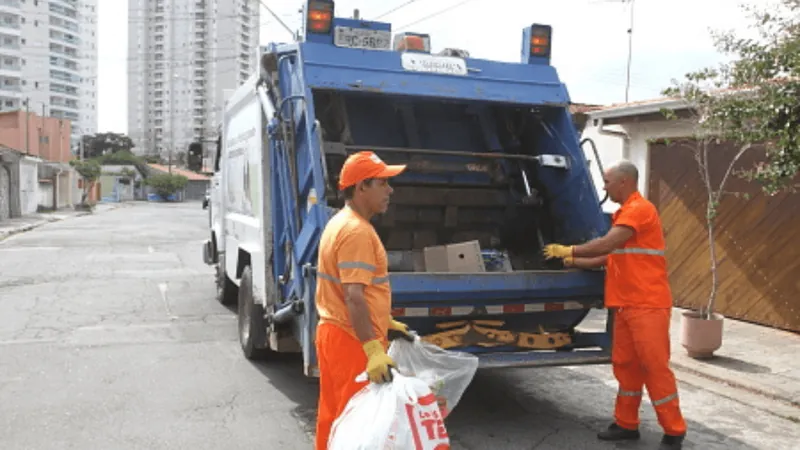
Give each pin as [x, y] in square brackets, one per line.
[328, 67]
[572, 195]
[446, 289]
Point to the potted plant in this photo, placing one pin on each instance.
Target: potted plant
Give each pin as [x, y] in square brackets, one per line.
[753, 102]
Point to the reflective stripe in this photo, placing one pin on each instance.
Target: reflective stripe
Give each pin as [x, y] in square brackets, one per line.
[325, 276]
[666, 399]
[357, 265]
[331, 278]
[639, 251]
[622, 393]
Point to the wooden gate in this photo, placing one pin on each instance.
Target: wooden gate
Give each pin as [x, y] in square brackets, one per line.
[757, 239]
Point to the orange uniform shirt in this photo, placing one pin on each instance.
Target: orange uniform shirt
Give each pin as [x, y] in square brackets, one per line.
[350, 251]
[636, 275]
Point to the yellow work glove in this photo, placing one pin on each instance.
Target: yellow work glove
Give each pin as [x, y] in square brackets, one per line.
[379, 364]
[399, 330]
[557, 251]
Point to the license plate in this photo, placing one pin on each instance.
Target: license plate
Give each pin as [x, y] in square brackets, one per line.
[361, 38]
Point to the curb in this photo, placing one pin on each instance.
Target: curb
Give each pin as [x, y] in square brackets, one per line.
[744, 386]
[764, 402]
[45, 221]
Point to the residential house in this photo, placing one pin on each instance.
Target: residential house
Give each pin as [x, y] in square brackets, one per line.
[45, 142]
[196, 186]
[756, 238]
[18, 183]
[121, 183]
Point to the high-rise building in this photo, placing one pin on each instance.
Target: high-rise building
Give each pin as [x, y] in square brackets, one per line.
[48, 60]
[182, 56]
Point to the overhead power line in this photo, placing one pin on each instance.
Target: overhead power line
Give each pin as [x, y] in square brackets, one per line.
[269, 10]
[396, 8]
[432, 15]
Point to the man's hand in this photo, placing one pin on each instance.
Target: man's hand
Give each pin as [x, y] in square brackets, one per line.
[399, 330]
[557, 251]
[379, 364]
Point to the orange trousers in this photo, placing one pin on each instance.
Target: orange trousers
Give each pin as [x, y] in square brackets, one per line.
[341, 359]
[640, 357]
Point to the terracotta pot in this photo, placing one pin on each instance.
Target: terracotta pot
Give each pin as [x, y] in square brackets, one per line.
[701, 337]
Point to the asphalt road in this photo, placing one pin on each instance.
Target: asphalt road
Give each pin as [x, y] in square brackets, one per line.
[110, 338]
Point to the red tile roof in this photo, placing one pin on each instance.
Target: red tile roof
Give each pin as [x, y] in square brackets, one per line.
[192, 176]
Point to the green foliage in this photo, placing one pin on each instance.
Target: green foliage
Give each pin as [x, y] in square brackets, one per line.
[96, 145]
[166, 184]
[124, 158]
[89, 170]
[195, 157]
[755, 98]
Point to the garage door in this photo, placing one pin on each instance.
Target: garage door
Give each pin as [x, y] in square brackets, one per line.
[5, 194]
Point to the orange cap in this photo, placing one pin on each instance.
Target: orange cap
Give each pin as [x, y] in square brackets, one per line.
[365, 165]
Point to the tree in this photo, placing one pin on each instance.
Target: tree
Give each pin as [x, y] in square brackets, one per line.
[96, 145]
[89, 170]
[195, 157]
[166, 184]
[753, 102]
[763, 83]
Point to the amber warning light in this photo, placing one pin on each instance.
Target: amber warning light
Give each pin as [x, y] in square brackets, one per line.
[320, 16]
[540, 40]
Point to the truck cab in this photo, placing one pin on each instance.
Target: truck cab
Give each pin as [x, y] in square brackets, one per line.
[495, 172]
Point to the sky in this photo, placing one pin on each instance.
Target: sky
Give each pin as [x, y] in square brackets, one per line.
[590, 39]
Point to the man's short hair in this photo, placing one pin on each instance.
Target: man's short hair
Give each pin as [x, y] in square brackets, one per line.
[627, 169]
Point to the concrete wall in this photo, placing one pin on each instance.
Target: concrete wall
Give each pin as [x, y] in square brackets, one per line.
[29, 185]
[633, 146]
[46, 192]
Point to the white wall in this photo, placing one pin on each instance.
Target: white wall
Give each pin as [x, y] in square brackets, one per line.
[29, 185]
[611, 150]
[46, 195]
[634, 148]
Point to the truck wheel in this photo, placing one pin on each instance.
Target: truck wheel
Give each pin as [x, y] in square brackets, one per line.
[226, 289]
[252, 325]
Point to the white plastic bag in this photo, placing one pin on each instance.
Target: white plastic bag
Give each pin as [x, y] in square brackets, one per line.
[447, 373]
[401, 415]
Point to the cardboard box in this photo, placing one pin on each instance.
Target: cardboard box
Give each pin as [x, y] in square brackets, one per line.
[463, 257]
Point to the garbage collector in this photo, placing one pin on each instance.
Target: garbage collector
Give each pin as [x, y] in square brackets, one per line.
[353, 295]
[637, 288]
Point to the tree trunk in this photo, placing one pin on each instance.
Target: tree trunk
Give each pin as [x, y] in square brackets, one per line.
[712, 250]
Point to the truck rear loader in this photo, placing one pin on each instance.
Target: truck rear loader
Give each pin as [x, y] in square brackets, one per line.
[495, 172]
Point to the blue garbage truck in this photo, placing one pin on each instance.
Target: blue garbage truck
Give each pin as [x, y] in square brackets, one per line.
[495, 172]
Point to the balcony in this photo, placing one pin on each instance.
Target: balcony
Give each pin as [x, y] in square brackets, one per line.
[67, 38]
[10, 4]
[10, 63]
[64, 76]
[64, 23]
[9, 21]
[66, 11]
[10, 84]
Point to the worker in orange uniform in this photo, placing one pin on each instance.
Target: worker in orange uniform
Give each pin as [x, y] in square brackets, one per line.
[637, 288]
[353, 295]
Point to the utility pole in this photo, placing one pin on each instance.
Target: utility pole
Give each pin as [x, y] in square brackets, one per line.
[27, 126]
[630, 53]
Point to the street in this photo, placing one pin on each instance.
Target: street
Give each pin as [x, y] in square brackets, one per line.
[111, 339]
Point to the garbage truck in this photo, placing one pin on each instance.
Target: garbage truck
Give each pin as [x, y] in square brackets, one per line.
[495, 172]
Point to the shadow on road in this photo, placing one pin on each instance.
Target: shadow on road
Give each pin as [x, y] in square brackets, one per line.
[285, 372]
[550, 408]
[735, 364]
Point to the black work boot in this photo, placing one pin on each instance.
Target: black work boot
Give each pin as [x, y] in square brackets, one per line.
[617, 433]
[671, 442]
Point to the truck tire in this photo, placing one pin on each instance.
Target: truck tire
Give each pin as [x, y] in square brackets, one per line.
[252, 325]
[226, 289]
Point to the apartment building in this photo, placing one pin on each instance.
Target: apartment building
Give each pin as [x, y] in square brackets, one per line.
[182, 56]
[48, 60]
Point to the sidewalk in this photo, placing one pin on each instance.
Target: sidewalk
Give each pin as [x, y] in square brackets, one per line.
[753, 358]
[755, 365]
[22, 224]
